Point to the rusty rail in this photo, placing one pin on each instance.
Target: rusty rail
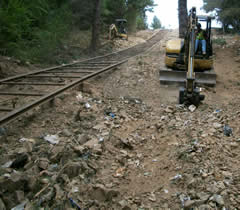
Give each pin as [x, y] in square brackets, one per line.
[74, 73]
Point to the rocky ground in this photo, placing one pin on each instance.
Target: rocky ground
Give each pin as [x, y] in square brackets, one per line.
[121, 141]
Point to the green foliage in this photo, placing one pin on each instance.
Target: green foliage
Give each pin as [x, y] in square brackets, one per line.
[147, 5]
[219, 41]
[46, 41]
[113, 10]
[136, 8]
[82, 13]
[142, 21]
[156, 24]
[32, 30]
[227, 11]
[15, 24]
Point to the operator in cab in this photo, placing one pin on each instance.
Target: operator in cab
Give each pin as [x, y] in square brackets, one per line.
[200, 38]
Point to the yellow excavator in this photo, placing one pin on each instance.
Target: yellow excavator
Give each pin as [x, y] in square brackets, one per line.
[118, 30]
[187, 66]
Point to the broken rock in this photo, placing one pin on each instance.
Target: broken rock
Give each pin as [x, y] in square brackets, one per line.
[19, 195]
[94, 145]
[75, 169]
[189, 204]
[83, 138]
[2, 206]
[20, 161]
[169, 109]
[79, 150]
[100, 193]
[43, 163]
[217, 125]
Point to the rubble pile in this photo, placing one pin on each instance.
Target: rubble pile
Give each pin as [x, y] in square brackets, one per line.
[60, 169]
[91, 163]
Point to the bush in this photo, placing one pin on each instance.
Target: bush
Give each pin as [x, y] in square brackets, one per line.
[220, 41]
[15, 25]
[33, 30]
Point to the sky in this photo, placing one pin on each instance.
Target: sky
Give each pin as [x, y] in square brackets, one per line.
[167, 12]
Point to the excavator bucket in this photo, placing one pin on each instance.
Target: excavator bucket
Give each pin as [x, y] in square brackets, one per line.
[207, 78]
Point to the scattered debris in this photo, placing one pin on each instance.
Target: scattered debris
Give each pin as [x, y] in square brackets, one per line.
[53, 139]
[192, 108]
[227, 130]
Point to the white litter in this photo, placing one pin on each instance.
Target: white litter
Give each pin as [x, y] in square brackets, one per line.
[53, 139]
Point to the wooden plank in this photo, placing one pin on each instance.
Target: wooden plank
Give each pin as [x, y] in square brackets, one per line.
[20, 94]
[5, 109]
[54, 76]
[33, 83]
[82, 67]
[68, 72]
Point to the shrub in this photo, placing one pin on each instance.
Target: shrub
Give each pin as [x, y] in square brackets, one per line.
[219, 41]
[32, 30]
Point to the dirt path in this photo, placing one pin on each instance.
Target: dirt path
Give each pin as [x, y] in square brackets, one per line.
[123, 143]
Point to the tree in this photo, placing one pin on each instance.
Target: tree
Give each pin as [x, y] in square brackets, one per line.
[113, 10]
[227, 12]
[96, 26]
[142, 21]
[182, 17]
[135, 7]
[133, 10]
[156, 24]
[82, 13]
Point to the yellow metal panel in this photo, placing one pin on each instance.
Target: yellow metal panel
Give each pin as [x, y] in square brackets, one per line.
[200, 64]
[203, 64]
[124, 36]
[170, 62]
[173, 46]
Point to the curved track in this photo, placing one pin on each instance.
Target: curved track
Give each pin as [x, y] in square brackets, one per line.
[20, 93]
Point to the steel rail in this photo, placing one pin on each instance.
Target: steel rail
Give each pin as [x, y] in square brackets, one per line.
[15, 113]
[111, 60]
[77, 62]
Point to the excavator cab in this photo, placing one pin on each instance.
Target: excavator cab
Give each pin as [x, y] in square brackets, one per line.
[205, 21]
[118, 29]
[175, 58]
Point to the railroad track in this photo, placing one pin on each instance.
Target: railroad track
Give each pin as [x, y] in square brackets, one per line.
[19, 94]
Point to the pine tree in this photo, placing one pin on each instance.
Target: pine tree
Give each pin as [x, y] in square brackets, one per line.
[182, 17]
[96, 25]
[156, 24]
[227, 12]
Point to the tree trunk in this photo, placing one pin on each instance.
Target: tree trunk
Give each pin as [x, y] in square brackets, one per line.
[182, 17]
[96, 26]
[132, 19]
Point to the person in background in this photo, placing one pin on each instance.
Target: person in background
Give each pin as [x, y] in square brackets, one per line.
[200, 37]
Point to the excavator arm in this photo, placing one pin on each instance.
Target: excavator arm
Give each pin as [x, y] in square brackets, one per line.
[112, 32]
[190, 94]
